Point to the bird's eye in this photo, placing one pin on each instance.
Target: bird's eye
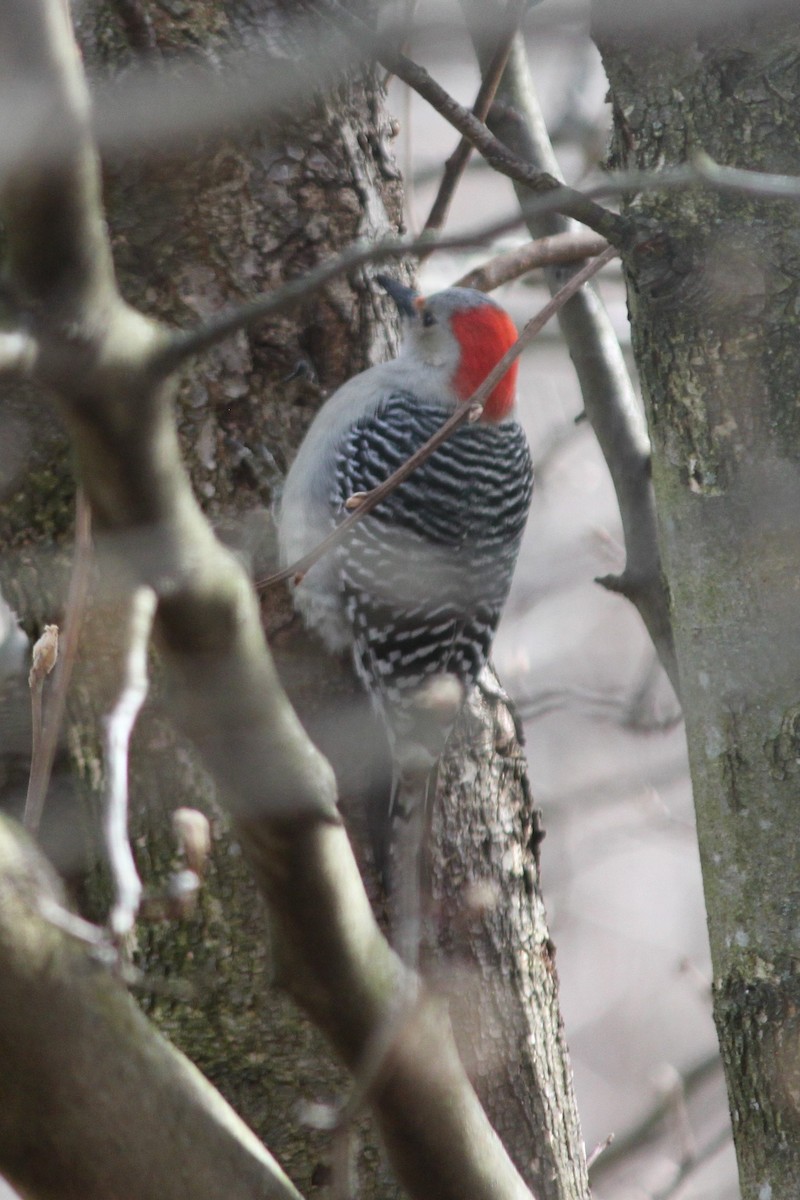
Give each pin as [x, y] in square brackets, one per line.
[428, 318]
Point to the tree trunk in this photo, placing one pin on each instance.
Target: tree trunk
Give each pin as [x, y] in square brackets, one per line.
[193, 231]
[714, 302]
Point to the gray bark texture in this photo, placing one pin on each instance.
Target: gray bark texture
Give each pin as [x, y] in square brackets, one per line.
[195, 228]
[714, 300]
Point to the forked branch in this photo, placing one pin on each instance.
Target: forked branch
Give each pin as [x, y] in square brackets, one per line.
[572, 203]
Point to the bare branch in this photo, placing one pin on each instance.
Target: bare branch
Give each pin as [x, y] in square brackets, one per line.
[643, 1131]
[470, 410]
[608, 393]
[599, 1149]
[701, 171]
[118, 726]
[168, 357]
[557, 250]
[611, 225]
[56, 244]
[456, 164]
[174, 349]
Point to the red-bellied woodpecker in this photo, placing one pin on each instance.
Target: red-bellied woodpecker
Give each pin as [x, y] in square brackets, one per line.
[416, 589]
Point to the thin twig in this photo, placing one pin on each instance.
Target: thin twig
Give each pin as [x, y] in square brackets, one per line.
[600, 706]
[182, 346]
[117, 728]
[645, 1129]
[456, 164]
[73, 619]
[557, 250]
[611, 225]
[470, 410]
[599, 1149]
[700, 171]
[73, 925]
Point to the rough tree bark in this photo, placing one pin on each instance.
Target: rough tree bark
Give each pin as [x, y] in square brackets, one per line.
[714, 307]
[192, 231]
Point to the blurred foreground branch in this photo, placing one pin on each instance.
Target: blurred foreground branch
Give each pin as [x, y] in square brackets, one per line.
[70, 1032]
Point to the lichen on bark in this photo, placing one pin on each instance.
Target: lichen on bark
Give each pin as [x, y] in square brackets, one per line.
[715, 335]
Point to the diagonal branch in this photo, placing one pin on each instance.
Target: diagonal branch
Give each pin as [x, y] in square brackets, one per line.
[457, 162]
[171, 352]
[606, 387]
[618, 230]
[173, 349]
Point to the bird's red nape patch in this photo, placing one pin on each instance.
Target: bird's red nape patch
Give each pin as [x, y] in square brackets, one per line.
[485, 333]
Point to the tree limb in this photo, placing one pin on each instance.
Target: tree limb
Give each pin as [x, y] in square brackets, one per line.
[457, 162]
[605, 384]
[175, 348]
[552, 251]
[181, 346]
[618, 230]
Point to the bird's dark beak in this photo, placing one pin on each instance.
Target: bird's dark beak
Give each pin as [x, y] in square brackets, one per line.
[403, 296]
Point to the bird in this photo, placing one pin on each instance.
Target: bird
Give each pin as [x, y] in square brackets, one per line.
[415, 589]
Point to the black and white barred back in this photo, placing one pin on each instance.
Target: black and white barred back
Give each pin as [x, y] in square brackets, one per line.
[426, 574]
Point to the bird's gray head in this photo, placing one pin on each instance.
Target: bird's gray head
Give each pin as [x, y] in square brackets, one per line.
[463, 333]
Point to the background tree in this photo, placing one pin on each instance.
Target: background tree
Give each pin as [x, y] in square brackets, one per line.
[715, 338]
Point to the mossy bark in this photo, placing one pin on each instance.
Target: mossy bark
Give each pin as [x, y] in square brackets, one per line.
[714, 300]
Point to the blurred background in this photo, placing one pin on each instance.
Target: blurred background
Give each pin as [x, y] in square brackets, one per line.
[605, 743]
